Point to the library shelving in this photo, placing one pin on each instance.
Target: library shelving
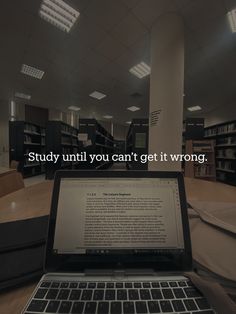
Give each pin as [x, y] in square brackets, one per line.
[95, 139]
[224, 135]
[137, 142]
[205, 170]
[61, 139]
[25, 137]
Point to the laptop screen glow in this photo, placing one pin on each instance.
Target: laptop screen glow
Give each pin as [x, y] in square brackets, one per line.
[118, 215]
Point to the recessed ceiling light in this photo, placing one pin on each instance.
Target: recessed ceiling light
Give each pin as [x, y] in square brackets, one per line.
[74, 108]
[97, 95]
[31, 71]
[22, 95]
[107, 117]
[128, 122]
[133, 108]
[59, 14]
[194, 108]
[140, 70]
[232, 20]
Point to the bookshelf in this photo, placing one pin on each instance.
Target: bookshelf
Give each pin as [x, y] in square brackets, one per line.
[25, 137]
[95, 139]
[224, 135]
[137, 142]
[205, 170]
[61, 138]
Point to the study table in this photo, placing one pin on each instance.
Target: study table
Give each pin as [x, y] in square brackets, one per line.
[34, 201]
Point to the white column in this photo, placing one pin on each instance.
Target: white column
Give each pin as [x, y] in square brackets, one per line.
[166, 90]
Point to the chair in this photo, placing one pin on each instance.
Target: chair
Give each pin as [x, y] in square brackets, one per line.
[11, 182]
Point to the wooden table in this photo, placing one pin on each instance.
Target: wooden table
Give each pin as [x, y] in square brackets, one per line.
[5, 170]
[34, 201]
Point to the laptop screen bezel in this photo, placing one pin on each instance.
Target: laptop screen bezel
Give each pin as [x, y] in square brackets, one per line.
[75, 262]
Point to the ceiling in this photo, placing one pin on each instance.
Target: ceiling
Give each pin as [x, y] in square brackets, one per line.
[109, 38]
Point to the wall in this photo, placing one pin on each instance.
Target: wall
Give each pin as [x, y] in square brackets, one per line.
[220, 115]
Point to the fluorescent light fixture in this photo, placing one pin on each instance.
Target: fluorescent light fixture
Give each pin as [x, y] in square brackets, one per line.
[107, 117]
[59, 14]
[31, 71]
[22, 95]
[194, 108]
[74, 108]
[97, 95]
[128, 122]
[232, 20]
[133, 108]
[140, 70]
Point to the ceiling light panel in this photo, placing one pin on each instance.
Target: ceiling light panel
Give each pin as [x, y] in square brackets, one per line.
[194, 108]
[31, 71]
[59, 14]
[133, 108]
[140, 70]
[107, 117]
[22, 95]
[232, 20]
[97, 95]
[74, 108]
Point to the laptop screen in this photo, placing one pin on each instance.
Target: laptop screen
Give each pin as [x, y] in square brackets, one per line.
[105, 216]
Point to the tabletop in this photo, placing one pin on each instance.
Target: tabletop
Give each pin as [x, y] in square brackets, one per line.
[34, 201]
[5, 170]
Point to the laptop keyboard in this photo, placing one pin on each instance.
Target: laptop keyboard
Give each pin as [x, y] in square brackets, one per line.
[118, 298]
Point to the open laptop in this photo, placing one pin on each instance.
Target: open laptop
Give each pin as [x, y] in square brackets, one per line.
[118, 243]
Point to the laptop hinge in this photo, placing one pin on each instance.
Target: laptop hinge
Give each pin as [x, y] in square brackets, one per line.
[118, 272]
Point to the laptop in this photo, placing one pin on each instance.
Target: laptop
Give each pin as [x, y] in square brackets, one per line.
[118, 243]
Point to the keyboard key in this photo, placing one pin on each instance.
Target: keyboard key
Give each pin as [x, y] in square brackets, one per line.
[155, 284]
[144, 294]
[77, 308]
[91, 285]
[55, 285]
[90, 308]
[73, 285]
[128, 285]
[190, 284]
[110, 285]
[116, 308]
[167, 294]
[178, 305]
[52, 307]
[191, 292]
[190, 305]
[98, 295]
[128, 308]
[119, 285]
[101, 285]
[153, 307]
[137, 285]
[182, 283]
[75, 294]
[64, 284]
[40, 294]
[141, 307]
[122, 294]
[37, 305]
[87, 295]
[166, 306]
[164, 284]
[173, 284]
[65, 307]
[146, 285]
[133, 294]
[202, 303]
[45, 284]
[103, 308]
[83, 285]
[178, 292]
[52, 294]
[63, 294]
[110, 295]
[156, 294]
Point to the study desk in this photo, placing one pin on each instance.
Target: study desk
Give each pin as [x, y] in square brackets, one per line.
[5, 170]
[34, 201]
